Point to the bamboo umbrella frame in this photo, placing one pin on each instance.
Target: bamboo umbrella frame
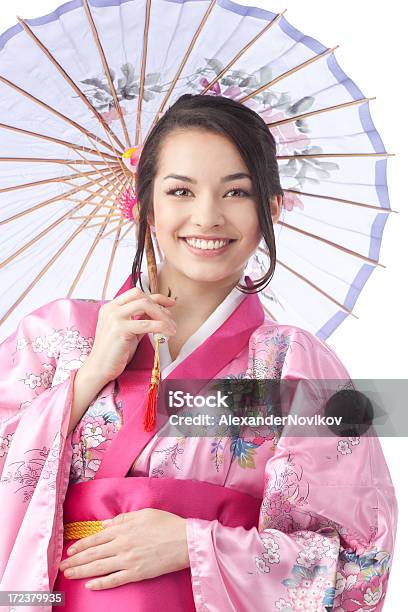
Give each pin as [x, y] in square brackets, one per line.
[112, 164]
[51, 262]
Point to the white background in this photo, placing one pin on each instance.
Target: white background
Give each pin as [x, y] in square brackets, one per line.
[372, 37]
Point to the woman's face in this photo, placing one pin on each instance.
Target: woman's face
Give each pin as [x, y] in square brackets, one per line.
[205, 219]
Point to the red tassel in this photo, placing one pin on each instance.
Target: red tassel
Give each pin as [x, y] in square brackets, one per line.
[151, 409]
[151, 405]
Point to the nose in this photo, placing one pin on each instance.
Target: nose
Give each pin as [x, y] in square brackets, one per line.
[207, 212]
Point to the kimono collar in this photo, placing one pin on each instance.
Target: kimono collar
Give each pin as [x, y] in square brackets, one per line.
[218, 346]
[207, 328]
[204, 363]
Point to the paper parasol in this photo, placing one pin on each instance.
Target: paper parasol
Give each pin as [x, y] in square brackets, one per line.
[84, 84]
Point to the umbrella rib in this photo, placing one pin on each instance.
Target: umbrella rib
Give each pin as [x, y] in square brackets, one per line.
[69, 80]
[109, 207]
[112, 206]
[330, 243]
[219, 76]
[311, 60]
[54, 111]
[102, 222]
[142, 72]
[319, 111]
[91, 162]
[104, 199]
[46, 202]
[84, 189]
[306, 280]
[119, 178]
[114, 183]
[50, 160]
[101, 52]
[45, 268]
[90, 251]
[312, 155]
[45, 231]
[56, 179]
[96, 216]
[64, 143]
[111, 259]
[342, 200]
[269, 312]
[185, 58]
[108, 171]
[126, 232]
[99, 180]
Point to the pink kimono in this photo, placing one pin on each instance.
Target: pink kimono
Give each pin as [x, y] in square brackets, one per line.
[289, 523]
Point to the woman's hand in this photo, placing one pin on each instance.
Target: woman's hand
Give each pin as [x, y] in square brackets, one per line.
[121, 324]
[132, 547]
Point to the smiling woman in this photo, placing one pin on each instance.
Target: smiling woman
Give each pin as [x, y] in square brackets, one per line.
[254, 518]
[216, 147]
[216, 220]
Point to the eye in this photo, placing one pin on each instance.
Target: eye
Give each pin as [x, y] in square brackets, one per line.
[246, 194]
[175, 189]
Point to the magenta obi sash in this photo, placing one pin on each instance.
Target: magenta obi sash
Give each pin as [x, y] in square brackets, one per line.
[107, 497]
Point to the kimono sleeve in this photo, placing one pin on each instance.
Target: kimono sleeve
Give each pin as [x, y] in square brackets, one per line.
[38, 363]
[327, 522]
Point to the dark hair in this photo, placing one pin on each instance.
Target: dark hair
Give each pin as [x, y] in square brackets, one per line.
[252, 137]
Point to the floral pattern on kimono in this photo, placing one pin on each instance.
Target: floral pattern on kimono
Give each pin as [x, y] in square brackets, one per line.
[38, 364]
[327, 522]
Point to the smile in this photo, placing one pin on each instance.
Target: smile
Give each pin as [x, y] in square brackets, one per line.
[208, 248]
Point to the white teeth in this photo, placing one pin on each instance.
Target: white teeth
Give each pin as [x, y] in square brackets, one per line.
[206, 244]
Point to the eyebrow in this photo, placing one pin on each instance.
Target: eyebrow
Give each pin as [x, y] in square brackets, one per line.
[225, 179]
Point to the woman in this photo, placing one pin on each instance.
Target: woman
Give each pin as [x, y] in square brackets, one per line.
[255, 521]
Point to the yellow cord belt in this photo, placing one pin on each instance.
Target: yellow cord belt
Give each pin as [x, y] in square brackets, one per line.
[81, 529]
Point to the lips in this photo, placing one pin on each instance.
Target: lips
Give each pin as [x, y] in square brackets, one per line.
[206, 252]
[207, 238]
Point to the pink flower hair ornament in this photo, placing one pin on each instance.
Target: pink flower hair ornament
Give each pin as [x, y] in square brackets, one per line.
[131, 158]
[128, 197]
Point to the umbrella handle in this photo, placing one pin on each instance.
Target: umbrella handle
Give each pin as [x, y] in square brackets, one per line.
[150, 256]
[150, 413]
[152, 270]
[151, 261]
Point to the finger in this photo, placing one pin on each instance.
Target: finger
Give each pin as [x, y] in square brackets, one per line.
[120, 518]
[147, 326]
[136, 292]
[127, 296]
[101, 551]
[138, 308]
[100, 567]
[114, 580]
[92, 540]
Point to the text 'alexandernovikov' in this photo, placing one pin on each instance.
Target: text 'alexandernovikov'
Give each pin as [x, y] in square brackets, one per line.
[207, 420]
